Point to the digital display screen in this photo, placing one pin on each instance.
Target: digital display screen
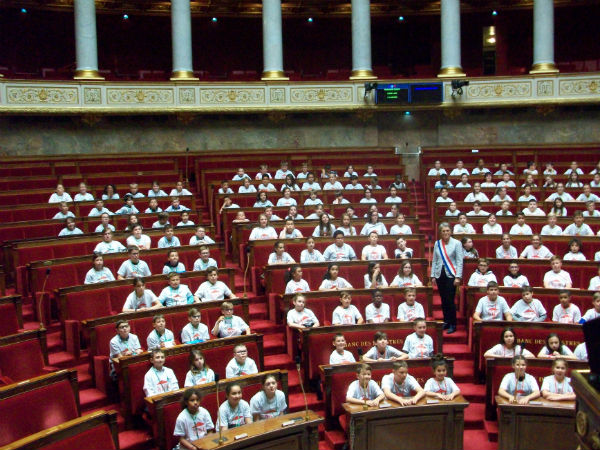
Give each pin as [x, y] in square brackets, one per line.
[408, 94]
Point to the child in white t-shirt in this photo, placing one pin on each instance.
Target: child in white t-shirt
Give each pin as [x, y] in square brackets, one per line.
[228, 324]
[213, 288]
[440, 386]
[193, 422]
[514, 277]
[418, 344]
[557, 278]
[176, 293]
[364, 391]
[593, 313]
[241, 364]
[554, 348]
[346, 313]
[199, 372]
[159, 379]
[482, 275]
[195, 331]
[518, 386]
[410, 309]
[565, 311]
[557, 387]
[377, 311]
[401, 387]
[492, 306]
[299, 316]
[269, 402]
[340, 355]
[528, 309]
[161, 336]
[507, 347]
[235, 411]
[381, 350]
[575, 253]
[406, 276]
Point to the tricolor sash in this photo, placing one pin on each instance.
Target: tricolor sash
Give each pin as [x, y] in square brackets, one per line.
[445, 258]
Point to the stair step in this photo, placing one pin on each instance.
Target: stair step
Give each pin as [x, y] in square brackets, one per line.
[92, 398]
[474, 393]
[474, 416]
[266, 327]
[335, 439]
[274, 344]
[135, 440]
[84, 377]
[62, 359]
[281, 361]
[491, 428]
[477, 440]
[258, 311]
[297, 401]
[459, 351]
[463, 371]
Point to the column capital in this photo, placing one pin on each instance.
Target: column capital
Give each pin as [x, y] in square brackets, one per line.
[274, 75]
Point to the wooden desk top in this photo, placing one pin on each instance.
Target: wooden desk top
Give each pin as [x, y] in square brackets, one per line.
[257, 429]
[458, 401]
[567, 404]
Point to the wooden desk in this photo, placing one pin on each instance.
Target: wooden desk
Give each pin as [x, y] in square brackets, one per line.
[420, 426]
[269, 435]
[588, 410]
[549, 425]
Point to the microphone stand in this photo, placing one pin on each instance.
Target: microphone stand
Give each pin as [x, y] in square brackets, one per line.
[39, 302]
[221, 440]
[306, 416]
[366, 388]
[246, 270]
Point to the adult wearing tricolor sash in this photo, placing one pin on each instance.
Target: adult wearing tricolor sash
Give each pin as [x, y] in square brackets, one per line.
[446, 271]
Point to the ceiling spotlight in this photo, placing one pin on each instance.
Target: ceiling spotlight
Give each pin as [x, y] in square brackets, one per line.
[401, 19]
[310, 20]
[125, 16]
[23, 11]
[494, 13]
[214, 20]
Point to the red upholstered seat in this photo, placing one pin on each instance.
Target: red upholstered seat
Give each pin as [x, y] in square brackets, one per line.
[9, 323]
[97, 438]
[22, 360]
[22, 413]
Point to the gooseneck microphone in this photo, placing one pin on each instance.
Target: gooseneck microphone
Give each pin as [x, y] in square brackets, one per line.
[298, 360]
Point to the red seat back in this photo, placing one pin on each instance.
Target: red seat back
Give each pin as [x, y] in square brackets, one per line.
[22, 415]
[9, 323]
[22, 360]
[97, 438]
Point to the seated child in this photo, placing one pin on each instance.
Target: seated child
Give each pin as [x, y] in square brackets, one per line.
[410, 309]
[241, 364]
[169, 239]
[364, 391]
[514, 277]
[528, 309]
[159, 379]
[507, 347]
[381, 350]
[193, 422]
[418, 344]
[300, 316]
[377, 311]
[205, 261]
[401, 387]
[518, 386]
[492, 306]
[175, 293]
[482, 275]
[173, 265]
[557, 278]
[340, 355]
[212, 288]
[557, 387]
[554, 348]
[593, 313]
[234, 411]
[565, 311]
[124, 343]
[228, 324]
[161, 336]
[195, 331]
[346, 313]
[440, 386]
[199, 372]
[269, 402]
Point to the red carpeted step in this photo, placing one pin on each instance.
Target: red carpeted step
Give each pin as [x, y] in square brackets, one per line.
[335, 439]
[135, 440]
[463, 371]
[274, 343]
[111, 407]
[258, 311]
[297, 401]
[491, 428]
[54, 341]
[324, 445]
[477, 440]
[459, 351]
[62, 359]
[92, 398]
[266, 327]
[474, 393]
[474, 416]
[84, 378]
[281, 361]
[458, 337]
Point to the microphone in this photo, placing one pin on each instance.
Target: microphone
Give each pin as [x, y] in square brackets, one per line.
[39, 301]
[220, 441]
[298, 360]
[246, 270]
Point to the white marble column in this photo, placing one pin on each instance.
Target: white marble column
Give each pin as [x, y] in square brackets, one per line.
[86, 46]
[543, 37]
[272, 41]
[181, 40]
[361, 41]
[450, 34]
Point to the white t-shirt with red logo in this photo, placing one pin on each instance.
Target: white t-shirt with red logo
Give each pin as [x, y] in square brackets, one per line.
[346, 316]
[377, 315]
[558, 280]
[302, 317]
[192, 427]
[492, 310]
[572, 314]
